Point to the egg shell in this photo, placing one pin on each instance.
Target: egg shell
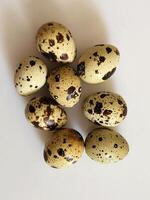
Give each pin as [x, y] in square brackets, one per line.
[106, 146]
[64, 86]
[30, 76]
[55, 42]
[44, 113]
[98, 63]
[64, 148]
[105, 108]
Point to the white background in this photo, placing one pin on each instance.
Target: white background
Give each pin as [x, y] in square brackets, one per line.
[23, 173]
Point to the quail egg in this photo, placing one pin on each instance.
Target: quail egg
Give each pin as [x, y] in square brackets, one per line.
[55, 42]
[105, 108]
[64, 86]
[98, 63]
[30, 75]
[64, 148]
[44, 113]
[106, 146]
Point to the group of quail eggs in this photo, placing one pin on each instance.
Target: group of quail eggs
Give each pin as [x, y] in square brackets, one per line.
[106, 109]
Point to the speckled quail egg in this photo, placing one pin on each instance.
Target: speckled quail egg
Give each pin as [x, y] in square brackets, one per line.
[98, 63]
[106, 146]
[30, 75]
[44, 113]
[64, 148]
[105, 108]
[64, 86]
[55, 42]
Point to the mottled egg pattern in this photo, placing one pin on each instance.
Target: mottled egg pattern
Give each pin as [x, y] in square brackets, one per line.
[98, 63]
[65, 148]
[30, 75]
[44, 113]
[56, 43]
[106, 146]
[105, 108]
[64, 86]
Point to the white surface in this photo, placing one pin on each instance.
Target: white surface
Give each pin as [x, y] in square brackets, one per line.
[23, 173]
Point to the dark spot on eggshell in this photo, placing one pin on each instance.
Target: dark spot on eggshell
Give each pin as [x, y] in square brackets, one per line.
[71, 90]
[95, 54]
[32, 62]
[68, 159]
[54, 167]
[108, 49]
[109, 74]
[90, 111]
[96, 72]
[100, 139]
[107, 112]
[51, 42]
[40, 67]
[40, 47]
[101, 45]
[101, 60]
[31, 109]
[94, 146]
[117, 52]
[115, 145]
[71, 93]
[119, 101]
[64, 140]
[36, 124]
[51, 56]
[80, 89]
[125, 110]
[45, 156]
[55, 156]
[81, 69]
[67, 36]
[60, 38]
[49, 152]
[98, 108]
[57, 78]
[104, 95]
[50, 24]
[61, 152]
[91, 102]
[74, 162]
[64, 56]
